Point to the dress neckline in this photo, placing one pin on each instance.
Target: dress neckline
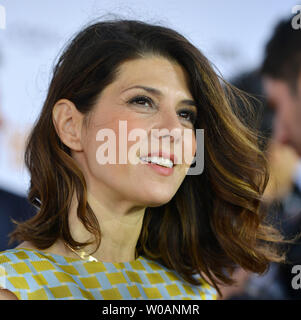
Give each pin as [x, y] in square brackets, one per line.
[75, 259]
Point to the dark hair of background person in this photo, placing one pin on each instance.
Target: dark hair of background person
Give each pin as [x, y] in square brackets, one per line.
[282, 58]
[214, 221]
[250, 82]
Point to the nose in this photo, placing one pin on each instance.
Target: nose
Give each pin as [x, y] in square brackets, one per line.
[168, 126]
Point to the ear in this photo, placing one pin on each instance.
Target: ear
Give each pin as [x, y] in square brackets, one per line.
[68, 121]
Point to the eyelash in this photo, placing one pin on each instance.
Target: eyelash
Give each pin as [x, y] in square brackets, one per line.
[191, 114]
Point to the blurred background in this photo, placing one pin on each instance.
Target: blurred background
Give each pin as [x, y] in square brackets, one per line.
[231, 33]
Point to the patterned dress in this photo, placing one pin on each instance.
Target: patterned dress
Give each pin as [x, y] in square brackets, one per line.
[35, 275]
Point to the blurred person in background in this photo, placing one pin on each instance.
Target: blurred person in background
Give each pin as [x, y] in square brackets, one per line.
[281, 198]
[12, 206]
[280, 81]
[281, 72]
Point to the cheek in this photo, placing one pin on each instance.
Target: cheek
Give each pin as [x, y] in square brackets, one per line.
[129, 138]
[189, 147]
[110, 142]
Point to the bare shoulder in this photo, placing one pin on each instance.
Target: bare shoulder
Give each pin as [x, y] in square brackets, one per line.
[7, 295]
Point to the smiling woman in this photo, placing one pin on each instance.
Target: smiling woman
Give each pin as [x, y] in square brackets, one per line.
[147, 230]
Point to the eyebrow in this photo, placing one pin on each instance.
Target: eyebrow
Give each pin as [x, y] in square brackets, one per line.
[160, 94]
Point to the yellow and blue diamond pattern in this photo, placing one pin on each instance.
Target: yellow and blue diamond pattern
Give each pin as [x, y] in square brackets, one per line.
[35, 275]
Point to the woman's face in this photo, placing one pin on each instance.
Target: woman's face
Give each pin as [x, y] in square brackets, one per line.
[159, 105]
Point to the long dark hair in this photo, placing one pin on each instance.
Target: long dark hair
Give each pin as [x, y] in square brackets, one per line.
[214, 222]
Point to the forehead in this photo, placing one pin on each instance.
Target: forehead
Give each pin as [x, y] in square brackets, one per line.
[154, 71]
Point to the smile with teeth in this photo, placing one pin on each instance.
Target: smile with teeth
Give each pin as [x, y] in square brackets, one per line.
[164, 162]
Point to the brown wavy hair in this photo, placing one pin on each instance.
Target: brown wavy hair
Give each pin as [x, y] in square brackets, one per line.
[215, 221]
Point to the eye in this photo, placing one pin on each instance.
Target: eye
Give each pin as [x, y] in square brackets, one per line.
[142, 101]
[188, 115]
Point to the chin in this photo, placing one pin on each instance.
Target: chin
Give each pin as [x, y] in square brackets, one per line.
[159, 198]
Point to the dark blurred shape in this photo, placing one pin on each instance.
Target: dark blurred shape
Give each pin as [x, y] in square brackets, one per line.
[12, 206]
[282, 58]
[251, 83]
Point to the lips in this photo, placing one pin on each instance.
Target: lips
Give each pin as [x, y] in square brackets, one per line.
[164, 155]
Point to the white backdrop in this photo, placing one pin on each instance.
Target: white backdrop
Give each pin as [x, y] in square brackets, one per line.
[231, 33]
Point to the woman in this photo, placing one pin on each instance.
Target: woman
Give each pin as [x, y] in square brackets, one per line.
[145, 230]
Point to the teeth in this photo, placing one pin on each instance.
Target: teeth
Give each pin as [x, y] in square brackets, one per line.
[158, 160]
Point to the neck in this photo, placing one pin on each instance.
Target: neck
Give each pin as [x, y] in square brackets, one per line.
[120, 230]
